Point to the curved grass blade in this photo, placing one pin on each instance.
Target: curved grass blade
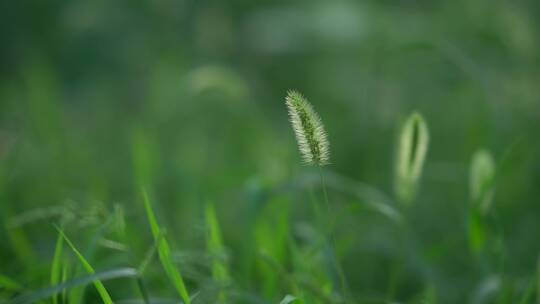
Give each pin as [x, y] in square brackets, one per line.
[164, 252]
[56, 266]
[81, 281]
[76, 294]
[370, 196]
[99, 286]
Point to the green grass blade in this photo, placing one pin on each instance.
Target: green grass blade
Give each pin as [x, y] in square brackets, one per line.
[477, 233]
[538, 282]
[8, 283]
[149, 255]
[216, 250]
[164, 253]
[288, 299]
[372, 197]
[99, 286]
[65, 275]
[527, 296]
[56, 269]
[46, 293]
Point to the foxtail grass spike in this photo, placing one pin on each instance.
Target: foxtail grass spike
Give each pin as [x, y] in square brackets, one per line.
[482, 176]
[411, 154]
[309, 130]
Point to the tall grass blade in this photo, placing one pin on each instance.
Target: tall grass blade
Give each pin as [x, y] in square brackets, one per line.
[271, 233]
[66, 268]
[46, 293]
[411, 154]
[164, 253]
[215, 247]
[56, 266]
[99, 286]
[477, 231]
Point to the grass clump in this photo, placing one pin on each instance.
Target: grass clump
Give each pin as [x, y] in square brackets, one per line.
[315, 150]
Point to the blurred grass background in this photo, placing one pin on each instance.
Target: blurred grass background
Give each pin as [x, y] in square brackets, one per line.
[187, 98]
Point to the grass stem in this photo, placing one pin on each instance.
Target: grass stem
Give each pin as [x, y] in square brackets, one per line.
[330, 236]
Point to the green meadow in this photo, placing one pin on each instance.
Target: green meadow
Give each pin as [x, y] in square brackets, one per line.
[270, 152]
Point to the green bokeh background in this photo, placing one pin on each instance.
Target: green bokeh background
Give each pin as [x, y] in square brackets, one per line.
[187, 99]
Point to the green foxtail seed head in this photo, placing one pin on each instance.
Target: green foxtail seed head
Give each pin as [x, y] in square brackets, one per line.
[309, 130]
[411, 154]
[481, 179]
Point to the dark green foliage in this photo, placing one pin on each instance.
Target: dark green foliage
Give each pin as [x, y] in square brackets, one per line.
[186, 99]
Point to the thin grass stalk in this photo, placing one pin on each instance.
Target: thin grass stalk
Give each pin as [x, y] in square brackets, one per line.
[331, 238]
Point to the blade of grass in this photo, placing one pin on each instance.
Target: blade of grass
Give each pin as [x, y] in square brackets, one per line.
[56, 265]
[288, 299]
[81, 281]
[65, 275]
[8, 283]
[217, 252]
[149, 255]
[76, 294]
[164, 252]
[366, 194]
[20, 244]
[142, 268]
[270, 236]
[538, 282]
[99, 286]
[142, 289]
[527, 296]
